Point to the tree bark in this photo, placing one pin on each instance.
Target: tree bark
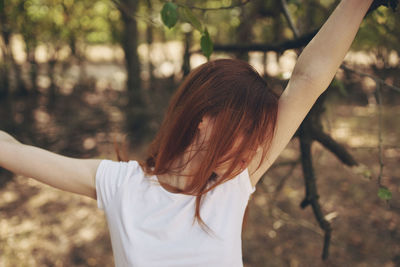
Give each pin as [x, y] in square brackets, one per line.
[130, 45]
[311, 197]
[137, 116]
[277, 47]
[5, 65]
[186, 54]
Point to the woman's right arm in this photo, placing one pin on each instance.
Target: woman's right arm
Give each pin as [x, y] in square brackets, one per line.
[65, 173]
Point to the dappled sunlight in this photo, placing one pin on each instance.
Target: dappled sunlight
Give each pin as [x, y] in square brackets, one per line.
[105, 63]
[104, 53]
[272, 65]
[70, 220]
[165, 57]
[41, 116]
[361, 58]
[43, 225]
[18, 50]
[291, 152]
[345, 135]
[89, 143]
[392, 153]
[362, 141]
[341, 133]
[360, 128]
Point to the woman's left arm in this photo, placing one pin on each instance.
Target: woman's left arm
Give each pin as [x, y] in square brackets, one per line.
[314, 71]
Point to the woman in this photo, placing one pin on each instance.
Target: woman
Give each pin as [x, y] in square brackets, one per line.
[224, 128]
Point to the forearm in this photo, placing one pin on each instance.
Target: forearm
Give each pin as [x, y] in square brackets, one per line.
[322, 57]
[65, 173]
[5, 137]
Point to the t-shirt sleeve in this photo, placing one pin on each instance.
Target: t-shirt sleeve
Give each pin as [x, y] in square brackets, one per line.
[110, 176]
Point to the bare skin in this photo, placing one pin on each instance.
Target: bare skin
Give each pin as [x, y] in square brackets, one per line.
[313, 72]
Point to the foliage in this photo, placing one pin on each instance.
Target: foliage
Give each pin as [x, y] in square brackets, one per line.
[206, 44]
[57, 23]
[388, 3]
[380, 30]
[74, 23]
[170, 16]
[384, 193]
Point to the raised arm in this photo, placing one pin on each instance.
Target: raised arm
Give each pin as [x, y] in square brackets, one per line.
[69, 174]
[314, 71]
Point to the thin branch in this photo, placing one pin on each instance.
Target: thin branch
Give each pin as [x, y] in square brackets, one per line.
[312, 197]
[329, 143]
[278, 213]
[284, 163]
[245, 2]
[277, 47]
[123, 8]
[380, 126]
[289, 19]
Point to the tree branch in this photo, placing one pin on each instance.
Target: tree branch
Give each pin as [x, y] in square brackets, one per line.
[126, 10]
[380, 139]
[329, 143]
[245, 2]
[289, 18]
[278, 47]
[312, 196]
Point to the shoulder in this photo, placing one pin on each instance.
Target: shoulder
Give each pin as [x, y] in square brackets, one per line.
[113, 176]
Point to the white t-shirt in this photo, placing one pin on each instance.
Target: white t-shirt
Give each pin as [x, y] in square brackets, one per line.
[152, 227]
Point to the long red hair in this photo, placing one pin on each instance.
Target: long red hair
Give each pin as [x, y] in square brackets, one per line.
[243, 107]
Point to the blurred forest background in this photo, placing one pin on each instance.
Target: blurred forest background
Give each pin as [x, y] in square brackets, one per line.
[77, 76]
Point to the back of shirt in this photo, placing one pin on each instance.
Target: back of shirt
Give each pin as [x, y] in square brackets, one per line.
[152, 227]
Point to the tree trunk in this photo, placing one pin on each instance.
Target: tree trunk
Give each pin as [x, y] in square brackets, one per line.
[130, 44]
[149, 41]
[137, 117]
[244, 31]
[186, 54]
[33, 65]
[5, 49]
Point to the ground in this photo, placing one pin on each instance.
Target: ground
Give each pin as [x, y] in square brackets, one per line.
[42, 226]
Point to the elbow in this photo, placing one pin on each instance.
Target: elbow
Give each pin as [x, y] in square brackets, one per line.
[312, 83]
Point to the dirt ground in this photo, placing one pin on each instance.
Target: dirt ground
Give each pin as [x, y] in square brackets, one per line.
[42, 226]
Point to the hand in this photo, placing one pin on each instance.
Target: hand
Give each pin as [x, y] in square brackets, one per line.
[387, 3]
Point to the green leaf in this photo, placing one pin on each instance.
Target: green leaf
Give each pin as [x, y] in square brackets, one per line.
[188, 16]
[206, 44]
[169, 14]
[384, 193]
[1, 5]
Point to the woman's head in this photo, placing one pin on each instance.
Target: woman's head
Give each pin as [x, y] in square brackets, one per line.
[227, 108]
[230, 94]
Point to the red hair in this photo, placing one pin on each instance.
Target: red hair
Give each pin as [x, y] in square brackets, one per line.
[242, 106]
